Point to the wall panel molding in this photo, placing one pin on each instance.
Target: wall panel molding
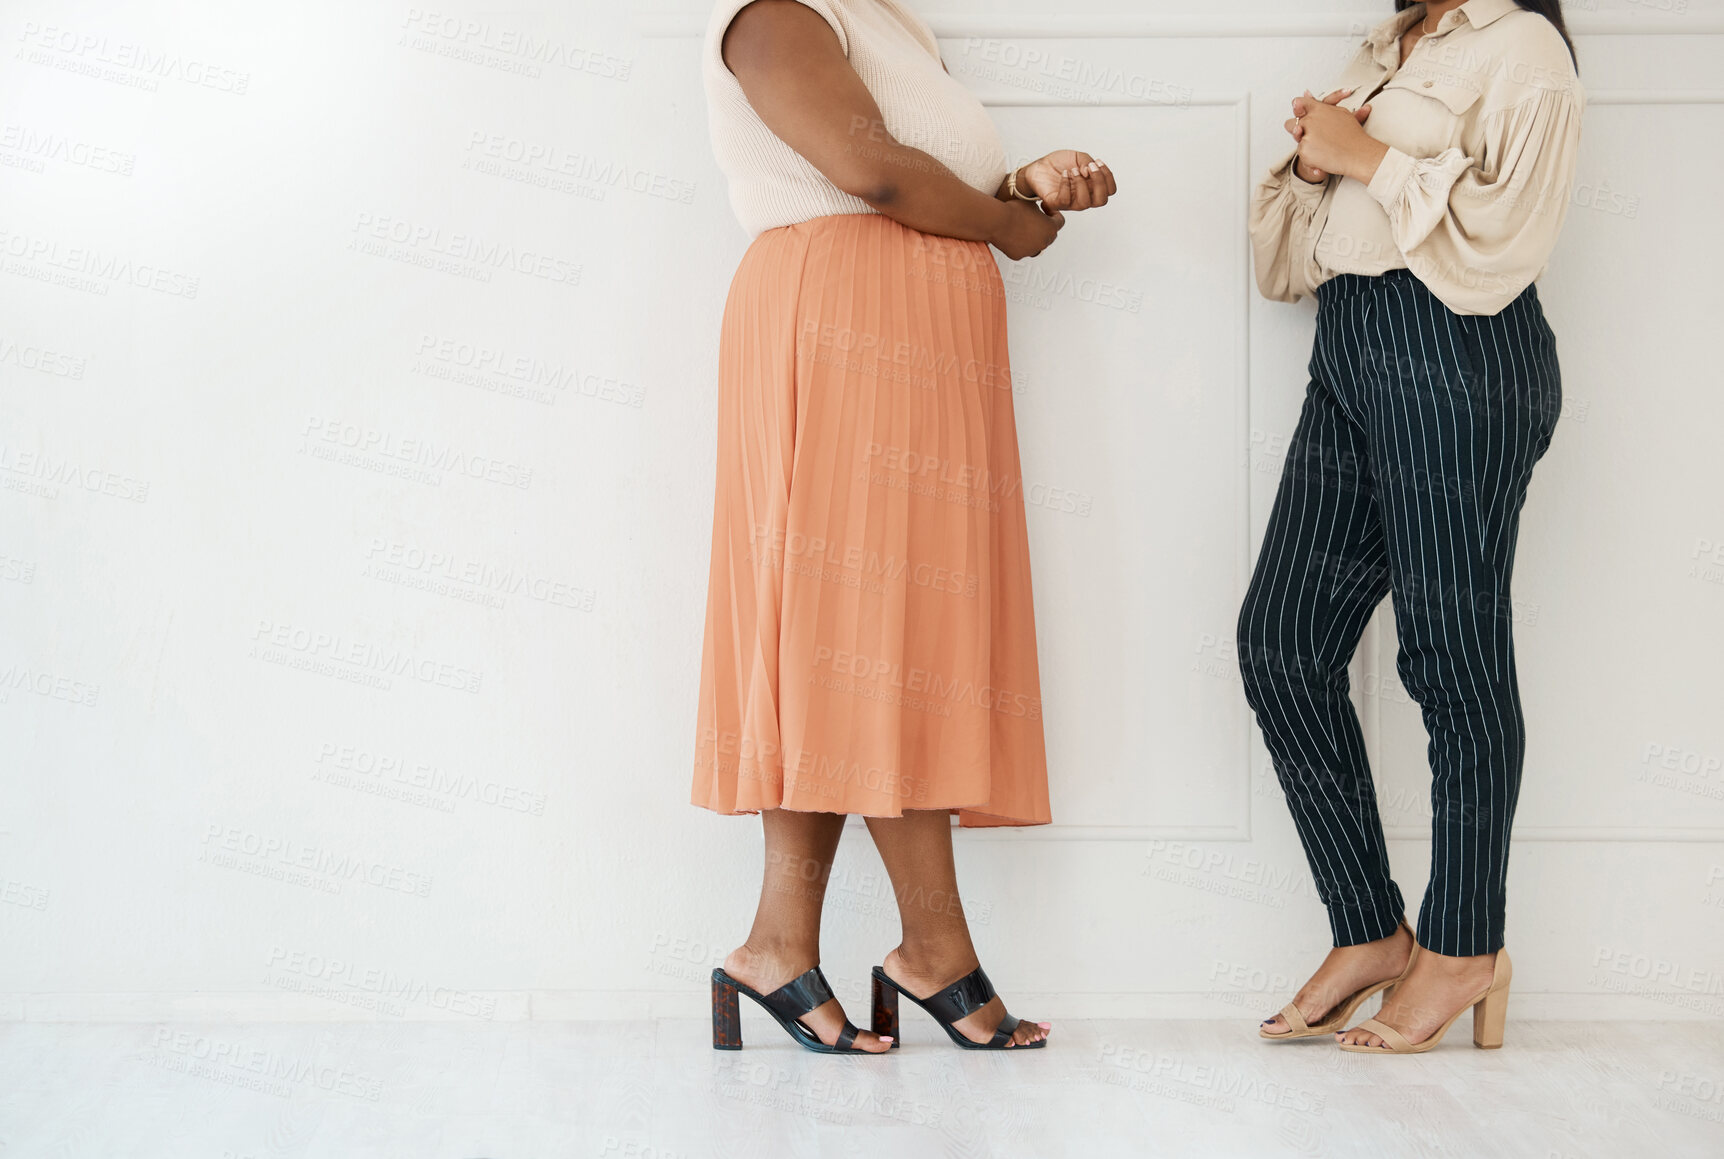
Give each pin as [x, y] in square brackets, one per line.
[1240, 103]
[960, 25]
[691, 1005]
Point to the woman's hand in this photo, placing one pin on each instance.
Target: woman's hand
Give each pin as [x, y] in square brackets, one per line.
[1307, 172]
[1333, 140]
[1068, 179]
[1025, 230]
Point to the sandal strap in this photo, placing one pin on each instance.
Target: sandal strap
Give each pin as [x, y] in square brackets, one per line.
[1396, 1040]
[963, 997]
[800, 995]
[847, 1038]
[1295, 1019]
[1003, 1032]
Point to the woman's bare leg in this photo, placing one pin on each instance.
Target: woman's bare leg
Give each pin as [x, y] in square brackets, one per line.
[936, 950]
[785, 941]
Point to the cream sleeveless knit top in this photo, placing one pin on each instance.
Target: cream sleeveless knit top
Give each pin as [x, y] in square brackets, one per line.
[898, 59]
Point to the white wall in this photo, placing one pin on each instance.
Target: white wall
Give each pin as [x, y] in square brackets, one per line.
[274, 744]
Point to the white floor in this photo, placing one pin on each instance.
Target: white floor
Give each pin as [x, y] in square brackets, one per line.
[656, 1090]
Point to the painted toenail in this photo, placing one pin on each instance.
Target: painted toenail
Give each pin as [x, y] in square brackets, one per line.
[885, 1038]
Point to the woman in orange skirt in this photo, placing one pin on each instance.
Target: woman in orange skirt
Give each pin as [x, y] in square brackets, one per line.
[870, 635]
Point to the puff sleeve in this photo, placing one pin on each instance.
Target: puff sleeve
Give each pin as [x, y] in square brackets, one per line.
[1284, 224]
[1479, 229]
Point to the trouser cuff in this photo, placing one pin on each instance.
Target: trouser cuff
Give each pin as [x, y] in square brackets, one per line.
[1367, 919]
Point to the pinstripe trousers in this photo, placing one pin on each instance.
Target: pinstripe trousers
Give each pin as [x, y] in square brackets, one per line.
[1405, 477]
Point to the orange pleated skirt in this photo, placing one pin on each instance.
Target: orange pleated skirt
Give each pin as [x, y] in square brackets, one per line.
[870, 634]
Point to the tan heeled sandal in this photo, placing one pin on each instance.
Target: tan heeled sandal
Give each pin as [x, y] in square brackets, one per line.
[1490, 1012]
[1339, 1015]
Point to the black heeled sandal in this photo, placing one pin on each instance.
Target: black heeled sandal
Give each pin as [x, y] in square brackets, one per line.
[787, 1004]
[957, 1001]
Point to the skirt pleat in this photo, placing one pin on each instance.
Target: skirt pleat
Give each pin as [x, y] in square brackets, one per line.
[870, 631]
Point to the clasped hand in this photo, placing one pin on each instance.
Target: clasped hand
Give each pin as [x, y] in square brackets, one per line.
[1066, 179]
[1332, 139]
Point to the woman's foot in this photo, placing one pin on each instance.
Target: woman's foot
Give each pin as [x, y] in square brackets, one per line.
[765, 970]
[1346, 971]
[1433, 991]
[925, 974]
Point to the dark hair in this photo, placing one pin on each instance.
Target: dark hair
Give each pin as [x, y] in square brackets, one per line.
[1551, 10]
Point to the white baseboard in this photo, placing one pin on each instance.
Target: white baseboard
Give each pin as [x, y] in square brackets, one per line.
[693, 1004]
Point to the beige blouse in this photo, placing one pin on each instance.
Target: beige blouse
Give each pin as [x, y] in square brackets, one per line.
[894, 52]
[1483, 128]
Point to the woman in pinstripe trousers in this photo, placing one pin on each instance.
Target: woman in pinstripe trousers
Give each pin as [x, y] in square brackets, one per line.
[1421, 201]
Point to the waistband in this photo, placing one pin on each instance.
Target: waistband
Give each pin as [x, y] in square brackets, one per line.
[1343, 286]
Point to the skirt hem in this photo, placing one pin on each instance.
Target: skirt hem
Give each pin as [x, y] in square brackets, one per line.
[968, 816]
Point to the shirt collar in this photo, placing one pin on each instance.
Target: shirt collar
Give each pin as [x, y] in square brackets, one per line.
[1482, 12]
[1385, 37]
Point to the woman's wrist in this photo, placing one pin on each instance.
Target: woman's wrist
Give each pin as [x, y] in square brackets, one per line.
[1367, 158]
[999, 216]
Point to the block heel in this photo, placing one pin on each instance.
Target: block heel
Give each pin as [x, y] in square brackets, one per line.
[1490, 1011]
[884, 1020]
[787, 1005]
[726, 1016]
